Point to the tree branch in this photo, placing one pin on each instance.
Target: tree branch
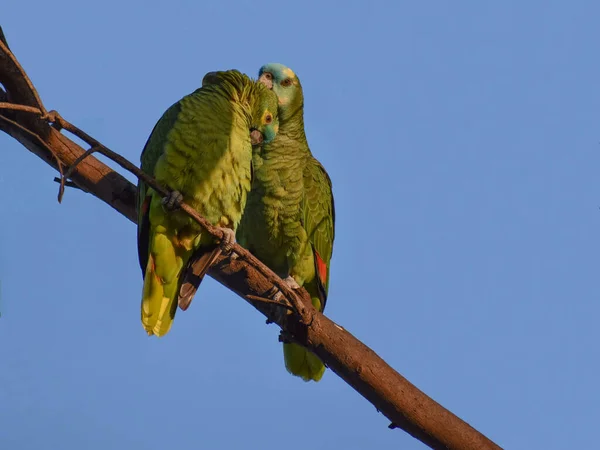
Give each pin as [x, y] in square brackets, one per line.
[24, 117]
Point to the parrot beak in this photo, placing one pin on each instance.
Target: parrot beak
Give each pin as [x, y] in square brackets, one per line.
[267, 82]
[256, 137]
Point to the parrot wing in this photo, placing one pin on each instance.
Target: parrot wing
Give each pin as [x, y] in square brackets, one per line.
[319, 220]
[152, 152]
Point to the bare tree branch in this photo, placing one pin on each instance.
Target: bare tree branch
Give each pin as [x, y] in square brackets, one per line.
[24, 117]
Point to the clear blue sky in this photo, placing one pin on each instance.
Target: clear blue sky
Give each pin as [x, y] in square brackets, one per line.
[463, 142]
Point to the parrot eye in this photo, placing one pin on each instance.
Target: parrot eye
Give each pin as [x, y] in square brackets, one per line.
[268, 75]
[268, 119]
[286, 82]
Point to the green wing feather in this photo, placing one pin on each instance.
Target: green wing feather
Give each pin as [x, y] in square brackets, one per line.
[319, 213]
[151, 153]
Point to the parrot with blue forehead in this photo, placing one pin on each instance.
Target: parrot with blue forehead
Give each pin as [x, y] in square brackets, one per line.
[201, 149]
[289, 219]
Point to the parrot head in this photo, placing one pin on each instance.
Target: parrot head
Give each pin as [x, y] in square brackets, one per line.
[264, 114]
[283, 81]
[264, 117]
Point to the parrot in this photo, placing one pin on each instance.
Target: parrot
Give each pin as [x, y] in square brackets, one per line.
[289, 218]
[201, 150]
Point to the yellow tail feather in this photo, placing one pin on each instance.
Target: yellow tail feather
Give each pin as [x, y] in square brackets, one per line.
[158, 302]
[302, 363]
[159, 297]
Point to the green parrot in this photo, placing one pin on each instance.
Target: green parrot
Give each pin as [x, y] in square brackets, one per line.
[201, 149]
[289, 219]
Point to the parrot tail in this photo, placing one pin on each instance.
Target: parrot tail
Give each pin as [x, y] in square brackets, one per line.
[302, 363]
[160, 286]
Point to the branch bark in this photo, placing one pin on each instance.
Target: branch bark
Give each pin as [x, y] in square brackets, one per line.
[406, 406]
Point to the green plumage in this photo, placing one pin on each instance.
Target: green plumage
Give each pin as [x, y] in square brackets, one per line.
[289, 218]
[201, 147]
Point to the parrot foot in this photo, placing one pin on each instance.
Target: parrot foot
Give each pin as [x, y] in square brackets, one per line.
[172, 201]
[285, 337]
[275, 294]
[227, 241]
[291, 282]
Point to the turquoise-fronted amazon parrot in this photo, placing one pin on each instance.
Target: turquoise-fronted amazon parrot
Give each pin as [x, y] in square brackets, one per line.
[289, 219]
[200, 149]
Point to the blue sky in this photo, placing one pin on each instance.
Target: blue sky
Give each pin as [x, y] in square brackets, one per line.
[463, 144]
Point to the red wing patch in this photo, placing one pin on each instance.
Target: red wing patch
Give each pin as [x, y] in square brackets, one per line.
[321, 278]
[321, 268]
[146, 205]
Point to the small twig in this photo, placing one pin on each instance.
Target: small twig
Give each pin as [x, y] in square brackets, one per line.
[24, 108]
[6, 50]
[69, 183]
[61, 190]
[268, 300]
[69, 172]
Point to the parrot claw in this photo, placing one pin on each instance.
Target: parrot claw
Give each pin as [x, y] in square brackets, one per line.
[172, 201]
[291, 282]
[272, 294]
[228, 240]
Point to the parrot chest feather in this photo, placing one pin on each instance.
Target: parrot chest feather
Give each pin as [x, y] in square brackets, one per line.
[273, 222]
